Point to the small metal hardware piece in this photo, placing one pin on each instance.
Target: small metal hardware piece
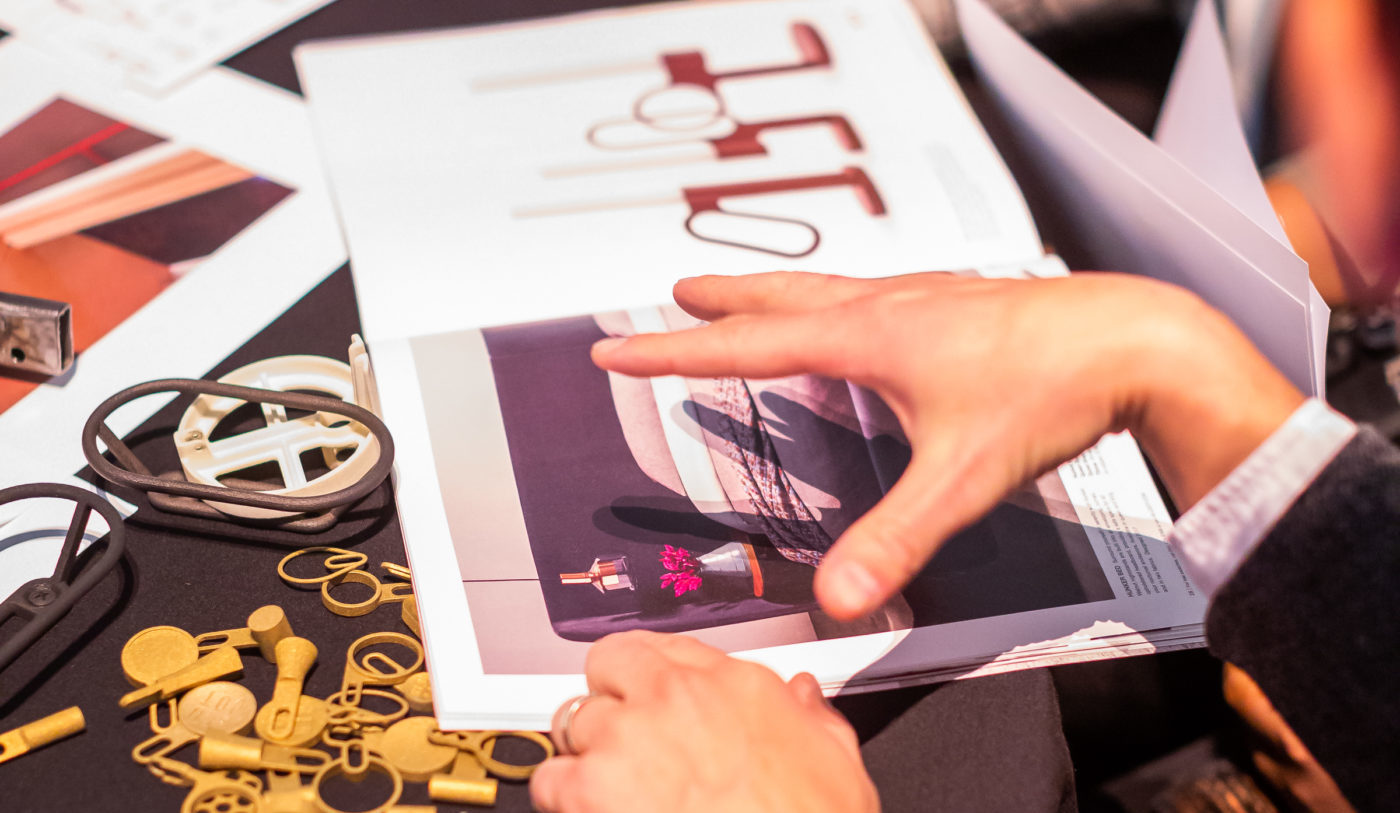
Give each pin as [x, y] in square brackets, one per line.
[480, 744]
[294, 658]
[221, 663]
[267, 626]
[155, 652]
[36, 335]
[41, 732]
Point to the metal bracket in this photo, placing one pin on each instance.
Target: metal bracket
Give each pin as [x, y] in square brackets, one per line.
[45, 600]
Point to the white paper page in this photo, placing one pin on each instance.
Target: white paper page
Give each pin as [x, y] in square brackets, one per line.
[1200, 127]
[212, 307]
[1138, 209]
[151, 45]
[441, 178]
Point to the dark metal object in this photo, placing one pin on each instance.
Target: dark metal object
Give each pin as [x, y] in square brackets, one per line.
[172, 492]
[44, 600]
[36, 335]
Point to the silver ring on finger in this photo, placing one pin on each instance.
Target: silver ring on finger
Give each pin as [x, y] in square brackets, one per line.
[563, 728]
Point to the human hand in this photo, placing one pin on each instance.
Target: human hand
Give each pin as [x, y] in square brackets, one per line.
[994, 382]
[1278, 754]
[675, 725]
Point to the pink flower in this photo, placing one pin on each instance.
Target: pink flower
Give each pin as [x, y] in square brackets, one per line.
[683, 566]
[681, 583]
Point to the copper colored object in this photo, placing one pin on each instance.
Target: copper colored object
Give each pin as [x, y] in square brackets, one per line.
[339, 767]
[41, 732]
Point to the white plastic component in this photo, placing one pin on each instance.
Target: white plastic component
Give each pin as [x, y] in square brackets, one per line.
[362, 376]
[347, 447]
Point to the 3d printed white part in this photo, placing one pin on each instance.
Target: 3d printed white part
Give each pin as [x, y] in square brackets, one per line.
[347, 448]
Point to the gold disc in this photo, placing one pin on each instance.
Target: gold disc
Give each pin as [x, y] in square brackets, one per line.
[218, 706]
[312, 717]
[405, 745]
[417, 689]
[155, 652]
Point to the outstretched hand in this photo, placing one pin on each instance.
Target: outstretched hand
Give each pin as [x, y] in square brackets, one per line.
[673, 724]
[994, 382]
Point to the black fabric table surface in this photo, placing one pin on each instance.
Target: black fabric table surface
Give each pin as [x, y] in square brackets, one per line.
[987, 744]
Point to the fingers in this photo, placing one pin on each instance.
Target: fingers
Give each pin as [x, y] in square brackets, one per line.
[711, 297]
[887, 547]
[769, 346]
[551, 782]
[636, 663]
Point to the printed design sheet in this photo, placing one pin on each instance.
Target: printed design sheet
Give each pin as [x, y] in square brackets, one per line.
[547, 169]
[149, 45]
[166, 271]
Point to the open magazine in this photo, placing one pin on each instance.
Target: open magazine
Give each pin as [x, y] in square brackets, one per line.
[521, 191]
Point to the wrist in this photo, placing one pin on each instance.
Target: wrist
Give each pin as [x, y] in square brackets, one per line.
[1203, 398]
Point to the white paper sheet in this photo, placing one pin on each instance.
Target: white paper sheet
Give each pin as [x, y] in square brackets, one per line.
[1138, 209]
[435, 172]
[206, 313]
[150, 45]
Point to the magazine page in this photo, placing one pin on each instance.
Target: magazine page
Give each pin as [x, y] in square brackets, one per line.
[528, 171]
[547, 503]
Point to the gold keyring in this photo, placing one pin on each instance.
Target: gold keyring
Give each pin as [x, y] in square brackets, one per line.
[375, 677]
[339, 562]
[506, 770]
[348, 609]
[336, 768]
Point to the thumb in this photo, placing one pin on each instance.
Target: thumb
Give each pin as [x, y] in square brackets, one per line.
[888, 546]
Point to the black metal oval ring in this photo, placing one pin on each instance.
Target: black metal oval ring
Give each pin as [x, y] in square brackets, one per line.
[136, 475]
[44, 601]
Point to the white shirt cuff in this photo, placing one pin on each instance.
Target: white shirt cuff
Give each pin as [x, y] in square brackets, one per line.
[1218, 532]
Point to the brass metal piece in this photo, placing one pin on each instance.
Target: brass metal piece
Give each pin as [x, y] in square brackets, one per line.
[358, 717]
[467, 783]
[409, 616]
[397, 571]
[312, 717]
[41, 732]
[406, 746]
[221, 663]
[294, 658]
[480, 745]
[266, 627]
[339, 767]
[225, 751]
[218, 707]
[376, 668]
[337, 563]
[381, 593]
[231, 792]
[286, 794]
[155, 652]
[417, 689]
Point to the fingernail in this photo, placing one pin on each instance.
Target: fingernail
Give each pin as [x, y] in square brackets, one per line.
[853, 588]
[608, 345]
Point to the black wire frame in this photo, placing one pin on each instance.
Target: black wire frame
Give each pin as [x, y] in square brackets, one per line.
[172, 492]
[43, 601]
